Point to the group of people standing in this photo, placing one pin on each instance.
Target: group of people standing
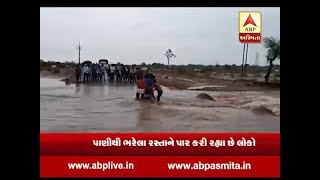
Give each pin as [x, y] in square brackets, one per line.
[101, 72]
[146, 82]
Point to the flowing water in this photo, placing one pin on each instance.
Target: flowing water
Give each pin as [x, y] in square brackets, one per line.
[111, 107]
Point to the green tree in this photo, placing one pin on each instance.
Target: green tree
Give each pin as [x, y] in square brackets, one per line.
[273, 46]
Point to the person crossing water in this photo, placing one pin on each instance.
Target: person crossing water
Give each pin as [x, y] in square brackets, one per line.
[141, 86]
[149, 85]
[157, 87]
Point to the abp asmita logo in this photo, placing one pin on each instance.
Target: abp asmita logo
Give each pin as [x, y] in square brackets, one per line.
[250, 27]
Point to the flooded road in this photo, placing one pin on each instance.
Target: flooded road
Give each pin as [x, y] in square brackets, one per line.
[111, 107]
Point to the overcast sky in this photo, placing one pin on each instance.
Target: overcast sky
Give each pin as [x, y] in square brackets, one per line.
[134, 35]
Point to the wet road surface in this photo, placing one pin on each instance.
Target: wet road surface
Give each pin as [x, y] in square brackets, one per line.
[111, 107]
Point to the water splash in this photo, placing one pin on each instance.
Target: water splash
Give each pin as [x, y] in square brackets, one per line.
[254, 101]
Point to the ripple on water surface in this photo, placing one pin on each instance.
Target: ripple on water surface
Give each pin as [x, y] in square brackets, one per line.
[105, 107]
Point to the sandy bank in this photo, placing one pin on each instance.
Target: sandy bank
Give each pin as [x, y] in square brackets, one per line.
[209, 84]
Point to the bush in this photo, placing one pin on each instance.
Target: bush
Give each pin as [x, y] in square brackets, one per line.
[227, 67]
[56, 71]
[181, 70]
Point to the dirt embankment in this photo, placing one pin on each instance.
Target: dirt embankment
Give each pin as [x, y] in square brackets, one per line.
[221, 81]
[64, 74]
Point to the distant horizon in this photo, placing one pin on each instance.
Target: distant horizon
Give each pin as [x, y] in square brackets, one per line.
[76, 62]
[207, 36]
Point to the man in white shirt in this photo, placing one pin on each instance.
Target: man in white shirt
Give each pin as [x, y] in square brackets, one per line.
[112, 71]
[108, 70]
[86, 73]
[133, 74]
[118, 72]
[103, 71]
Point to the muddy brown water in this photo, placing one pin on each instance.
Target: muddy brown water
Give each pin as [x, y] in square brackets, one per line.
[111, 107]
